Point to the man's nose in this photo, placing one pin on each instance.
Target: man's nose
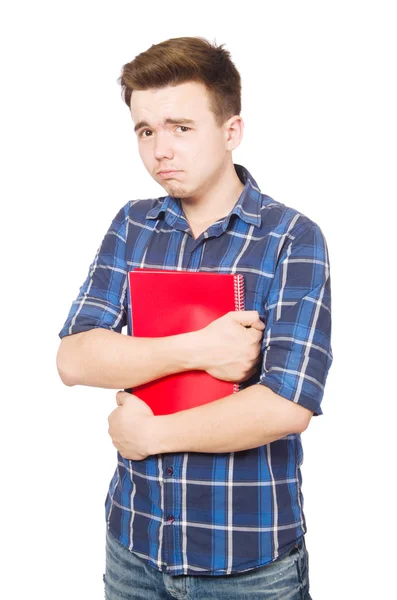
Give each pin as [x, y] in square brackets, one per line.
[163, 146]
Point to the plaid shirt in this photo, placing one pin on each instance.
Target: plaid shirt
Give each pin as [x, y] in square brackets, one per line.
[219, 513]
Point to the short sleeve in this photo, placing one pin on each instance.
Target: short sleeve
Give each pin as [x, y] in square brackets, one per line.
[297, 352]
[102, 300]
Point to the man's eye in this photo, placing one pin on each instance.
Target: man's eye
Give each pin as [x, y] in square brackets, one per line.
[142, 134]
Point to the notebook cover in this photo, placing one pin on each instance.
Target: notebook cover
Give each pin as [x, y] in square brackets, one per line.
[166, 302]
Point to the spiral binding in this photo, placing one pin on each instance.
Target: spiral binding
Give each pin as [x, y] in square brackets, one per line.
[239, 304]
[239, 292]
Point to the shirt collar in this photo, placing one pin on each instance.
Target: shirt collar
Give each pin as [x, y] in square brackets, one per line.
[247, 207]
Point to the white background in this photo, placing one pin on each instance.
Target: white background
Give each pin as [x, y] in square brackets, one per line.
[319, 106]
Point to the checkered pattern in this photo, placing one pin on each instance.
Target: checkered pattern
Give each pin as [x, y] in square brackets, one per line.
[215, 514]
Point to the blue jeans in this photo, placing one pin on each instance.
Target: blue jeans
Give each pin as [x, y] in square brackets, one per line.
[128, 577]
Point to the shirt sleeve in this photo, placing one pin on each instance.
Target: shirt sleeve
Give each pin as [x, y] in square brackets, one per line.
[296, 344]
[102, 299]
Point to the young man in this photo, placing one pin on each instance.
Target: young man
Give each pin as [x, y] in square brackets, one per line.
[207, 502]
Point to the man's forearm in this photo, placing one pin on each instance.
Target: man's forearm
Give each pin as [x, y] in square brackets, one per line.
[104, 358]
[250, 418]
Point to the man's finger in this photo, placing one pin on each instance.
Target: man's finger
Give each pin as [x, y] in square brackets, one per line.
[246, 317]
[120, 398]
[258, 325]
[249, 318]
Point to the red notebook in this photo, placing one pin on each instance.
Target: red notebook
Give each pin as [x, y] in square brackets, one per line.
[164, 303]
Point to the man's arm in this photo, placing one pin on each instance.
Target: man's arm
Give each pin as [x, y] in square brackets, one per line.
[102, 358]
[248, 419]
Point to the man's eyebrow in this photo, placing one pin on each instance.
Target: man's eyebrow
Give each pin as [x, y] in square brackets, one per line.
[166, 122]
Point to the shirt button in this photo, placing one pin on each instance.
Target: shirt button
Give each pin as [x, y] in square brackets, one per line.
[170, 518]
[170, 471]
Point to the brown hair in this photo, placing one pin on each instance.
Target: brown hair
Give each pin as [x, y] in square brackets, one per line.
[179, 60]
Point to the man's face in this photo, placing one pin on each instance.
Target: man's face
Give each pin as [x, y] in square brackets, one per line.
[196, 150]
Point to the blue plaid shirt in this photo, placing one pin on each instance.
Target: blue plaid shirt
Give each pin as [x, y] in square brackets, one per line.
[218, 513]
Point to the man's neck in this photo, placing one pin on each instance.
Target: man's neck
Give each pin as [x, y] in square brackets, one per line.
[216, 202]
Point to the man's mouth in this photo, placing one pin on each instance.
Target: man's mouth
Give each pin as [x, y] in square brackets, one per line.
[167, 174]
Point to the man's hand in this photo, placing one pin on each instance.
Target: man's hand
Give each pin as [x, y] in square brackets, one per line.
[229, 348]
[129, 426]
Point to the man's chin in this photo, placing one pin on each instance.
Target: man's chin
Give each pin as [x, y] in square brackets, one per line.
[176, 192]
